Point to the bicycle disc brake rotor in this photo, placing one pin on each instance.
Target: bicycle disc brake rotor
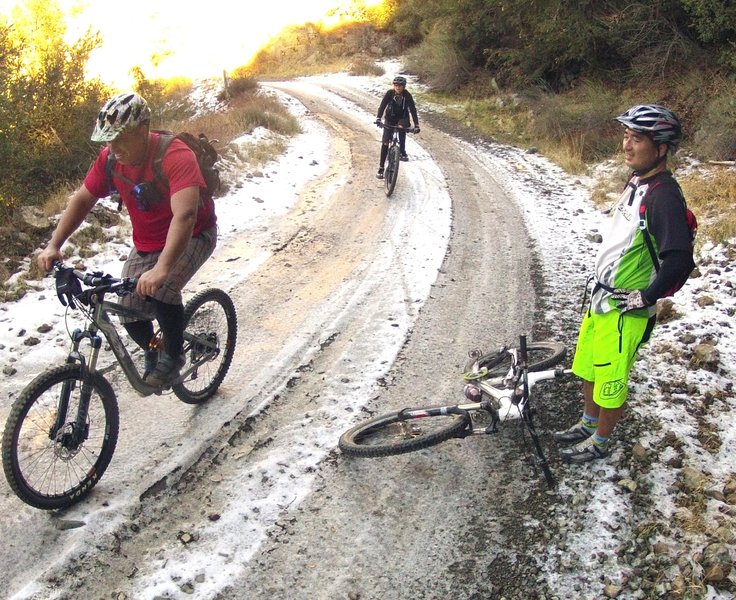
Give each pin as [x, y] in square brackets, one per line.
[67, 443]
[475, 375]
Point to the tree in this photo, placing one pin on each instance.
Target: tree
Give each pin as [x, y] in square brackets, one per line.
[47, 107]
[715, 24]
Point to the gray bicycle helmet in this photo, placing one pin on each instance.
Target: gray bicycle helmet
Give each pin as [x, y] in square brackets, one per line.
[122, 111]
[400, 80]
[659, 123]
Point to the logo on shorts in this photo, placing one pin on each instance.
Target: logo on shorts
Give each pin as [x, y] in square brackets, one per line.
[612, 389]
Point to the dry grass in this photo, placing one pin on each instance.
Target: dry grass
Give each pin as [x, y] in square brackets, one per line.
[84, 237]
[57, 201]
[709, 437]
[259, 154]
[246, 112]
[366, 66]
[712, 198]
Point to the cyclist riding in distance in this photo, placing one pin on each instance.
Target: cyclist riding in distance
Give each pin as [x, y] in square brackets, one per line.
[174, 224]
[396, 107]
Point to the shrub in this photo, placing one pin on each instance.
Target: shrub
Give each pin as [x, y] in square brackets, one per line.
[581, 122]
[711, 199]
[239, 85]
[366, 66]
[716, 135]
[438, 61]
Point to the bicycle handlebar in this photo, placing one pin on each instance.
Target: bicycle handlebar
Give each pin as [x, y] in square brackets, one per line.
[69, 290]
[399, 127]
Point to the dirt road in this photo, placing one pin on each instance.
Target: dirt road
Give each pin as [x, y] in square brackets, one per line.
[262, 506]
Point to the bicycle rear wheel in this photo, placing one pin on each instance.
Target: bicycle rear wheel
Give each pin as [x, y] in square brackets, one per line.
[540, 356]
[49, 463]
[210, 335]
[392, 169]
[403, 431]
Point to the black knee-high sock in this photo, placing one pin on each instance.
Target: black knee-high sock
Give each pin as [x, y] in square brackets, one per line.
[140, 331]
[171, 320]
[384, 154]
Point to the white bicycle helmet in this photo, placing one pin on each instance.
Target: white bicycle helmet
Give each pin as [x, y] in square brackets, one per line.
[122, 111]
[659, 123]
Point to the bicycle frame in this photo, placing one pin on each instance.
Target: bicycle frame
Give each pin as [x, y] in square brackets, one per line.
[504, 396]
[508, 396]
[395, 141]
[100, 321]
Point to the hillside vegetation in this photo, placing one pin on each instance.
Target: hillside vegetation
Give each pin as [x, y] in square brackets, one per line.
[546, 73]
[551, 75]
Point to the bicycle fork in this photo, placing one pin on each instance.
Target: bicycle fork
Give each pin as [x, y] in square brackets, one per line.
[70, 435]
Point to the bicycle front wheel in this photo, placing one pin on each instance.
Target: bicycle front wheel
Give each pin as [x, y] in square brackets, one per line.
[403, 431]
[209, 342]
[540, 356]
[53, 460]
[392, 170]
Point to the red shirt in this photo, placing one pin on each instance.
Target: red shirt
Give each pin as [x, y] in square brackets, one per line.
[151, 222]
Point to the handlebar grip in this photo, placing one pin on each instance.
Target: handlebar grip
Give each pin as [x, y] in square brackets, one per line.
[96, 278]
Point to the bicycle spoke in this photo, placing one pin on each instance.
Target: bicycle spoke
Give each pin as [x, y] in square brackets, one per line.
[54, 469]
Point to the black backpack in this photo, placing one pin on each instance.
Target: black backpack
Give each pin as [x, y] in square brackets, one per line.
[206, 155]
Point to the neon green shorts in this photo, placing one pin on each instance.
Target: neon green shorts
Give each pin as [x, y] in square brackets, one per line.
[606, 349]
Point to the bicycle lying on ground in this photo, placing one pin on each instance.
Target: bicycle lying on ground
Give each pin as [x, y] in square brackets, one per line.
[498, 385]
[63, 428]
[393, 158]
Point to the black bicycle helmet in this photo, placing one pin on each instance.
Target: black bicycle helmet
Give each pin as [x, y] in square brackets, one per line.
[659, 123]
[400, 80]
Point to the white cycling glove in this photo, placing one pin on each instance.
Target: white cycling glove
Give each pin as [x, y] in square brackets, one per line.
[629, 300]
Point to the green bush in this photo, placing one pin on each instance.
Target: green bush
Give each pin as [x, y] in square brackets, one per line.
[47, 107]
[438, 61]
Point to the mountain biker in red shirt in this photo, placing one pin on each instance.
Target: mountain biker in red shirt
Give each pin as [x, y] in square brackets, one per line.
[174, 225]
[395, 108]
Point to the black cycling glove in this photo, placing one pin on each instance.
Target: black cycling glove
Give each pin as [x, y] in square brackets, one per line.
[67, 287]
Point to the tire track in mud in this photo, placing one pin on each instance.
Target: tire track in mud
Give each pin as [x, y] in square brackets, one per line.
[431, 524]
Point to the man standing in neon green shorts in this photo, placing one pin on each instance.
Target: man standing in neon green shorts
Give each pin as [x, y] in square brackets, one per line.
[629, 278]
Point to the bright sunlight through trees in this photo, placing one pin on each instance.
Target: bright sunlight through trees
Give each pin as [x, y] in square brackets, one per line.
[165, 40]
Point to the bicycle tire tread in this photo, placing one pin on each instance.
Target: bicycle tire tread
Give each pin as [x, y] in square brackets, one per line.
[18, 413]
[223, 299]
[349, 441]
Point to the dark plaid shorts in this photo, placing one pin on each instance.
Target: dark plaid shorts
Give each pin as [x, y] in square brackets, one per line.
[198, 251]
